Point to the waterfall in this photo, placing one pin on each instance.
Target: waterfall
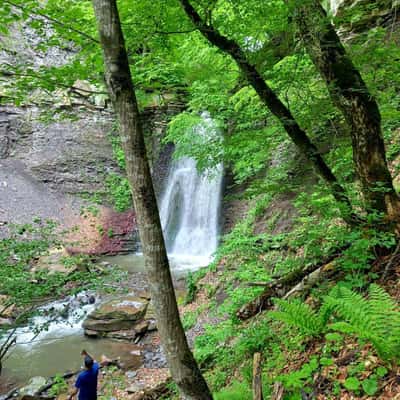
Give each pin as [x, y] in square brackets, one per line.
[334, 5]
[189, 208]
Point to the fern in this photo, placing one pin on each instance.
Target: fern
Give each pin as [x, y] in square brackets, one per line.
[301, 315]
[350, 306]
[375, 318]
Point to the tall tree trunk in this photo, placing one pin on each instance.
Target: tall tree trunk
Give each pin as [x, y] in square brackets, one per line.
[350, 94]
[275, 105]
[183, 367]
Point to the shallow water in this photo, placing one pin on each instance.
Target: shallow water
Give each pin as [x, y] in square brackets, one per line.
[54, 355]
[57, 349]
[180, 264]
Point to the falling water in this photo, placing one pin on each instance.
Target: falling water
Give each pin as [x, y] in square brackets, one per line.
[189, 208]
[334, 5]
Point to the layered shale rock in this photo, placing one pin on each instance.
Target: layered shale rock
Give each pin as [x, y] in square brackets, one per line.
[123, 318]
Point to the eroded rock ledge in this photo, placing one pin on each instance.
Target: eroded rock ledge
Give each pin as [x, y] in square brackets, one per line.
[126, 317]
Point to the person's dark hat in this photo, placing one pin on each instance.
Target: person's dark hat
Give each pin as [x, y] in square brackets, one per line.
[88, 362]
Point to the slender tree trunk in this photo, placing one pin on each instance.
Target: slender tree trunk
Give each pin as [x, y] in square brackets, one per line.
[350, 94]
[275, 105]
[183, 367]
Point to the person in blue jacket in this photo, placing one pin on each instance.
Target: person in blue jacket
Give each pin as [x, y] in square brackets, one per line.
[86, 383]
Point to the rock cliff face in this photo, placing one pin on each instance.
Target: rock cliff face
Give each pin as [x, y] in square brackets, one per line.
[72, 156]
[46, 167]
[69, 156]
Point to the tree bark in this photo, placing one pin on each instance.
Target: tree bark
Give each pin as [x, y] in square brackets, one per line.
[351, 96]
[275, 105]
[257, 381]
[183, 367]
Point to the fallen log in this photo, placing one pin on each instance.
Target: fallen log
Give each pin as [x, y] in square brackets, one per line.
[309, 281]
[53, 380]
[287, 285]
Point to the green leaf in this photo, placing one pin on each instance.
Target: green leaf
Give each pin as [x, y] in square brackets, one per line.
[352, 384]
[381, 371]
[324, 361]
[370, 386]
[334, 337]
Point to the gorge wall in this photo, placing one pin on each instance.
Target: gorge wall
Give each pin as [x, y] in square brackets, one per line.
[49, 169]
[55, 149]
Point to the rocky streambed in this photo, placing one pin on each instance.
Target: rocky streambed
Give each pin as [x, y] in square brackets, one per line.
[126, 317]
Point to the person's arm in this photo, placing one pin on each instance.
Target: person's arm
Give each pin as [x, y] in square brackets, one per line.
[96, 367]
[74, 392]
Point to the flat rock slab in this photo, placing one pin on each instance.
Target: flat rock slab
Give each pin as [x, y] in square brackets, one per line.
[120, 314]
[101, 328]
[128, 308]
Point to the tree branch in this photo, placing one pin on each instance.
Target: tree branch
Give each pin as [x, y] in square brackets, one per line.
[174, 32]
[51, 19]
[72, 88]
[277, 108]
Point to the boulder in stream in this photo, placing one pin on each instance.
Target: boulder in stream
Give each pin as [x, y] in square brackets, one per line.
[127, 308]
[5, 322]
[7, 309]
[119, 314]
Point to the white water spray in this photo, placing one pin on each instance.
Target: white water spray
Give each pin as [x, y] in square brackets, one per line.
[334, 5]
[55, 320]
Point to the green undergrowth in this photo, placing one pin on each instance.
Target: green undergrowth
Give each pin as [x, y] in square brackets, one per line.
[26, 284]
[236, 391]
[375, 319]
[353, 313]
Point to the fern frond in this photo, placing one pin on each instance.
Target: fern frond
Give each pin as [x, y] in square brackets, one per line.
[299, 314]
[350, 306]
[385, 321]
[376, 318]
[383, 309]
